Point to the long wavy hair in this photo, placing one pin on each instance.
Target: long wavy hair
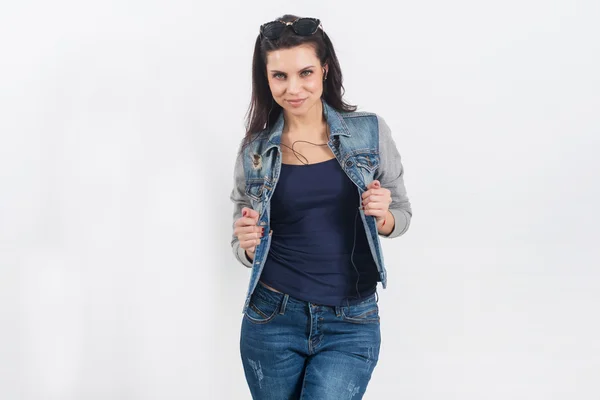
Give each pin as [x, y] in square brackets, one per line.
[263, 110]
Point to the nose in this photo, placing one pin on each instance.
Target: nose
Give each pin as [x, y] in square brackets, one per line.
[294, 86]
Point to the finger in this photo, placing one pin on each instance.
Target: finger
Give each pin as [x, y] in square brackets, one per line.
[249, 221]
[250, 213]
[374, 185]
[376, 213]
[245, 221]
[380, 191]
[376, 206]
[247, 244]
[376, 202]
[248, 230]
[377, 198]
[250, 236]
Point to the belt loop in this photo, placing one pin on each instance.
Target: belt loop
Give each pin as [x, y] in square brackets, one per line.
[283, 304]
[338, 311]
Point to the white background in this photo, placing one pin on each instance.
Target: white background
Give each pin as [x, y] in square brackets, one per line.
[119, 122]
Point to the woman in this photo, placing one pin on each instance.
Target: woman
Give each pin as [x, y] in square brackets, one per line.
[316, 184]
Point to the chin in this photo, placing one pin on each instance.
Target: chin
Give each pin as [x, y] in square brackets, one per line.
[296, 111]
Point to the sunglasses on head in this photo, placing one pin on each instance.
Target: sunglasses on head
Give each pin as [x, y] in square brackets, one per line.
[302, 27]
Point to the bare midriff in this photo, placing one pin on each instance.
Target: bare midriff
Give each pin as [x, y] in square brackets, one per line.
[268, 287]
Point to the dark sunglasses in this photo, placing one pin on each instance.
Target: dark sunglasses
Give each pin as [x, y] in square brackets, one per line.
[302, 27]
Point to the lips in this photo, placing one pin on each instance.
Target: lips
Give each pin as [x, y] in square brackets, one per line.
[296, 102]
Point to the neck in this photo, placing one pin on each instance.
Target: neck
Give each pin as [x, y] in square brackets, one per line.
[309, 126]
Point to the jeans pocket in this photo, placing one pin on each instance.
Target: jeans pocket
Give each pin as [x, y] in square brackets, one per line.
[364, 313]
[260, 311]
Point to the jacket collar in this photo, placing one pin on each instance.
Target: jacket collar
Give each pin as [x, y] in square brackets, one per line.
[337, 126]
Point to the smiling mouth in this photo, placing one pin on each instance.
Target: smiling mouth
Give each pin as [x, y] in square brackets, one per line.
[295, 102]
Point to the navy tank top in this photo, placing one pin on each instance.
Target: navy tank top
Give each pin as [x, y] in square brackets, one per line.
[319, 251]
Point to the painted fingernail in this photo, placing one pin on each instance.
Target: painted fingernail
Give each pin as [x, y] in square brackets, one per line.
[244, 213]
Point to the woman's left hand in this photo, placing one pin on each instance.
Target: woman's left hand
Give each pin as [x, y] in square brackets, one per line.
[376, 202]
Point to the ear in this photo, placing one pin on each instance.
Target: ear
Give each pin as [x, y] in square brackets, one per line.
[325, 71]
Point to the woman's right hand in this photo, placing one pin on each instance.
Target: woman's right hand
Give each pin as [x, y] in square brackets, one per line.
[247, 231]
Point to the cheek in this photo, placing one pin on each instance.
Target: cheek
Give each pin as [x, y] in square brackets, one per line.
[276, 87]
[313, 84]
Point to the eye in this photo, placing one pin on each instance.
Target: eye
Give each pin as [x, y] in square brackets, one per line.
[306, 73]
[278, 75]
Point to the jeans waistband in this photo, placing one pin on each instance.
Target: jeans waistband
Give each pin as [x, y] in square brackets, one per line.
[276, 298]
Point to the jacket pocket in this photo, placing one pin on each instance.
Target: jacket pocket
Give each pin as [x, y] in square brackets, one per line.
[368, 161]
[255, 189]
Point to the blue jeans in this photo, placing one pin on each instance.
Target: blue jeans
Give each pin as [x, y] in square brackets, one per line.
[292, 349]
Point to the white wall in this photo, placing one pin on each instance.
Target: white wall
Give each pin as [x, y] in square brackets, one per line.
[118, 129]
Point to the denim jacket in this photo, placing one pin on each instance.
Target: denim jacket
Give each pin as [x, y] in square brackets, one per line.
[362, 144]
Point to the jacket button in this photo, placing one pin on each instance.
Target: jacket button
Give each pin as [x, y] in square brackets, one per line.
[349, 163]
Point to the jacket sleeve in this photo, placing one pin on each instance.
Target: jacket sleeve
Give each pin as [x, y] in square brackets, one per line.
[240, 200]
[391, 176]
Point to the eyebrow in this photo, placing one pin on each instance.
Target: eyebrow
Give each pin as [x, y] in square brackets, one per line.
[281, 72]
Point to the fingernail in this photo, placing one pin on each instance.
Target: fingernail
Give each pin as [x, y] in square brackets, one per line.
[244, 213]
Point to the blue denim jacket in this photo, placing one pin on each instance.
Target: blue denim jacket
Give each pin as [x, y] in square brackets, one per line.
[362, 144]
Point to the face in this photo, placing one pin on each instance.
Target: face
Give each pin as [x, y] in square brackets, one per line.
[295, 78]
